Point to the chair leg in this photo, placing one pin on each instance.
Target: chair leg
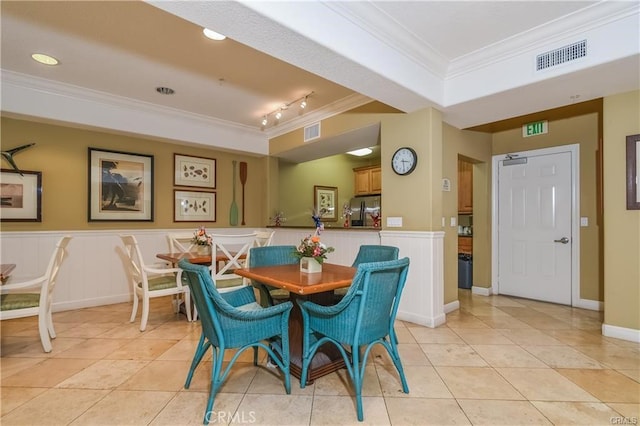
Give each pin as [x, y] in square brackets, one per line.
[134, 310]
[187, 305]
[44, 332]
[145, 313]
[201, 349]
[218, 357]
[52, 330]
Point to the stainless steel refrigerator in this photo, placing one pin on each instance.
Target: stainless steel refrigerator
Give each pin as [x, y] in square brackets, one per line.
[363, 208]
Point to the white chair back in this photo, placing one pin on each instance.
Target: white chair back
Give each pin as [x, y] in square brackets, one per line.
[181, 242]
[235, 249]
[263, 238]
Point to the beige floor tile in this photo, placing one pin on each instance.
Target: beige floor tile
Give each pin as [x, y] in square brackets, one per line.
[188, 408]
[158, 376]
[172, 330]
[561, 357]
[477, 383]
[465, 322]
[270, 381]
[404, 335]
[86, 330]
[339, 383]
[507, 322]
[434, 335]
[632, 374]
[423, 411]
[410, 354]
[341, 410]
[483, 336]
[612, 356]
[577, 337]
[484, 412]
[31, 347]
[452, 355]
[508, 356]
[538, 384]
[606, 385]
[546, 323]
[423, 382]
[626, 410]
[103, 374]
[142, 349]
[183, 350]
[10, 398]
[238, 380]
[500, 301]
[93, 348]
[125, 408]
[275, 409]
[122, 331]
[54, 407]
[11, 366]
[530, 337]
[48, 373]
[576, 413]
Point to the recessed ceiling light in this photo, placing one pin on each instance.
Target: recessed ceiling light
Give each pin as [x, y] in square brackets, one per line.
[44, 59]
[165, 90]
[213, 35]
[361, 152]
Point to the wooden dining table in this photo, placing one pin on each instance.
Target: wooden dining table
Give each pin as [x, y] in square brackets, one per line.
[316, 287]
[5, 270]
[194, 257]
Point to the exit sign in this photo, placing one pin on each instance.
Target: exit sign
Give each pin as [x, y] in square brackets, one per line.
[534, 129]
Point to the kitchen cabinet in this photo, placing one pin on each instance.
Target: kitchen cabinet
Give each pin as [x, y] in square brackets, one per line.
[465, 245]
[465, 187]
[368, 180]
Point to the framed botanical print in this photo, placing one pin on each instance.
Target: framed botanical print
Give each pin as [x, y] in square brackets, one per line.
[21, 196]
[324, 202]
[633, 160]
[120, 186]
[194, 206]
[194, 171]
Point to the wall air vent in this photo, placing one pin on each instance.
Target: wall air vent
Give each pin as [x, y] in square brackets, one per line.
[561, 55]
[312, 132]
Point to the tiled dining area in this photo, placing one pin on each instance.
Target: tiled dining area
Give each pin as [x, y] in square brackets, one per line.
[497, 361]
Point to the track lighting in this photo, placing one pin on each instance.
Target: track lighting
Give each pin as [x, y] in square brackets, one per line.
[278, 113]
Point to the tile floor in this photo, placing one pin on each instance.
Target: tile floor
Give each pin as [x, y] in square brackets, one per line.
[497, 361]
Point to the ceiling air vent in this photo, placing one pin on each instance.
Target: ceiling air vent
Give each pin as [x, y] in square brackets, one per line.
[561, 55]
[312, 132]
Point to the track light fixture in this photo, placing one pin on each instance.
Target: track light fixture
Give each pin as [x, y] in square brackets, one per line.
[278, 113]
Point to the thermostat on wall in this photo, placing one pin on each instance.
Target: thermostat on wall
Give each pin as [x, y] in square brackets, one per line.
[446, 184]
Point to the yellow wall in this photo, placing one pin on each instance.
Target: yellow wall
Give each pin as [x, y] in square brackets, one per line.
[61, 154]
[621, 118]
[582, 130]
[475, 147]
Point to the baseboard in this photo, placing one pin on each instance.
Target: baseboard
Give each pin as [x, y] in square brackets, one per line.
[593, 305]
[422, 320]
[453, 306]
[482, 291]
[90, 303]
[623, 333]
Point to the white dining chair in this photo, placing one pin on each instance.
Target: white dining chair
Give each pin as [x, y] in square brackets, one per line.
[34, 296]
[181, 242]
[152, 281]
[234, 248]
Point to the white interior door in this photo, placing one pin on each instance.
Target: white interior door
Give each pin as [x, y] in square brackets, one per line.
[535, 227]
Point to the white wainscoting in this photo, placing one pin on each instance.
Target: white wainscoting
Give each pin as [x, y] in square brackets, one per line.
[422, 300]
[93, 274]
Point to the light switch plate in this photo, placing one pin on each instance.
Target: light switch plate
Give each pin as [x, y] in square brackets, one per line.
[584, 221]
[453, 221]
[394, 222]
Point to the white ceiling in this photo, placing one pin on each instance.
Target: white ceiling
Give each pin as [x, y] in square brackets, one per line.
[472, 60]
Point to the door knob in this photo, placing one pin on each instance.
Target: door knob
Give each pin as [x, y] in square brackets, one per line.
[563, 240]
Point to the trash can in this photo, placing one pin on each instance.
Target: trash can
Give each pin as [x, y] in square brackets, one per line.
[465, 270]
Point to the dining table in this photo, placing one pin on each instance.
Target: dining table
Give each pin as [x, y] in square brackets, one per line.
[316, 287]
[195, 257]
[5, 271]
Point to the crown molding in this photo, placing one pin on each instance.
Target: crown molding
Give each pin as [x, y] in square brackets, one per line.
[558, 31]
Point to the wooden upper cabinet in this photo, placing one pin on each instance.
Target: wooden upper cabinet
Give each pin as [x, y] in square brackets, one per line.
[368, 180]
[465, 187]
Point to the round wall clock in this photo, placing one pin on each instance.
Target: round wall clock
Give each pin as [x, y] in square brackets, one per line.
[404, 161]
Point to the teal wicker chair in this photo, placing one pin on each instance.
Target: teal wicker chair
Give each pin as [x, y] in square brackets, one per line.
[233, 320]
[363, 318]
[366, 254]
[268, 256]
[34, 296]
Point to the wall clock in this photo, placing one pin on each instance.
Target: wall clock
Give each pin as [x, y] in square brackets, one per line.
[404, 161]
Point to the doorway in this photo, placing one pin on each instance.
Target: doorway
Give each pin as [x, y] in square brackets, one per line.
[535, 224]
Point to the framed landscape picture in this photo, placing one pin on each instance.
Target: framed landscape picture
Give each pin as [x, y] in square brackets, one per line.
[194, 206]
[324, 202]
[120, 186]
[194, 171]
[633, 159]
[21, 196]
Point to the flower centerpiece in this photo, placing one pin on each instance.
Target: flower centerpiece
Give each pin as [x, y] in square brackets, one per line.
[312, 253]
[202, 240]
